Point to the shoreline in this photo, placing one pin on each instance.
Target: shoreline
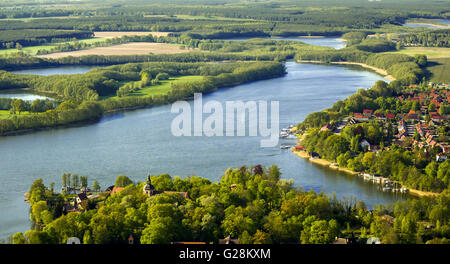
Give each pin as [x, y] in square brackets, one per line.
[382, 72]
[323, 162]
[427, 24]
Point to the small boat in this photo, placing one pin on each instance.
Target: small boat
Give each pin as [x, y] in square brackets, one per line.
[284, 147]
[387, 189]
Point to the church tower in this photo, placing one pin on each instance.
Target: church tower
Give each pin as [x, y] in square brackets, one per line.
[149, 189]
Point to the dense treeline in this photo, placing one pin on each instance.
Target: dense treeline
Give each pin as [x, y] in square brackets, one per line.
[21, 38]
[251, 204]
[244, 19]
[23, 62]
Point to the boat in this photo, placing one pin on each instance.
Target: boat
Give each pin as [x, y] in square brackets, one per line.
[387, 189]
[284, 147]
[283, 135]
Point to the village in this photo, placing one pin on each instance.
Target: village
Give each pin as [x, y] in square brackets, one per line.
[424, 127]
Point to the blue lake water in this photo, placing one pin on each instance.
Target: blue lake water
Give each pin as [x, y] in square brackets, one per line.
[334, 42]
[57, 70]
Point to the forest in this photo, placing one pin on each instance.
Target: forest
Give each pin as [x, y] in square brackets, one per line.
[252, 204]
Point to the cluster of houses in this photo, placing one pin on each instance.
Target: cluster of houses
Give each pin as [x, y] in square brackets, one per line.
[427, 129]
[408, 124]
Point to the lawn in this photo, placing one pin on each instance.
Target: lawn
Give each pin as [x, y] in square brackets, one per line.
[5, 114]
[162, 88]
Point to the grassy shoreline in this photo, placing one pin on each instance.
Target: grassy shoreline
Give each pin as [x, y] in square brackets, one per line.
[382, 72]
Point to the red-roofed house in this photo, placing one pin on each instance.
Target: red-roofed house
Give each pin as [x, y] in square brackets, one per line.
[360, 117]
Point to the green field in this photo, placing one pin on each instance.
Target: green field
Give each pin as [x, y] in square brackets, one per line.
[5, 114]
[440, 70]
[430, 52]
[162, 88]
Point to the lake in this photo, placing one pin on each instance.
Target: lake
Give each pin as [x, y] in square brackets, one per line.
[28, 96]
[335, 42]
[418, 25]
[18, 94]
[137, 142]
[57, 70]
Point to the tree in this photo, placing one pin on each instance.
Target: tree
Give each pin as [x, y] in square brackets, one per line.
[261, 237]
[19, 238]
[17, 105]
[84, 181]
[158, 232]
[75, 181]
[96, 186]
[431, 107]
[122, 181]
[319, 231]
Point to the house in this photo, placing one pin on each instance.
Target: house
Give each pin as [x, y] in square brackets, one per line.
[390, 116]
[326, 127]
[445, 148]
[380, 116]
[441, 157]
[412, 115]
[116, 190]
[149, 190]
[339, 241]
[184, 194]
[360, 117]
[80, 198]
[388, 218]
[229, 240]
[436, 117]
[374, 148]
[364, 144]
[367, 112]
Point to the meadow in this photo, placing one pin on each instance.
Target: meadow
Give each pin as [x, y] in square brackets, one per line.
[440, 70]
[430, 52]
[160, 89]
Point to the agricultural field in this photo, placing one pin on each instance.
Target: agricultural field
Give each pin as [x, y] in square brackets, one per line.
[430, 52]
[99, 37]
[118, 34]
[440, 70]
[133, 48]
